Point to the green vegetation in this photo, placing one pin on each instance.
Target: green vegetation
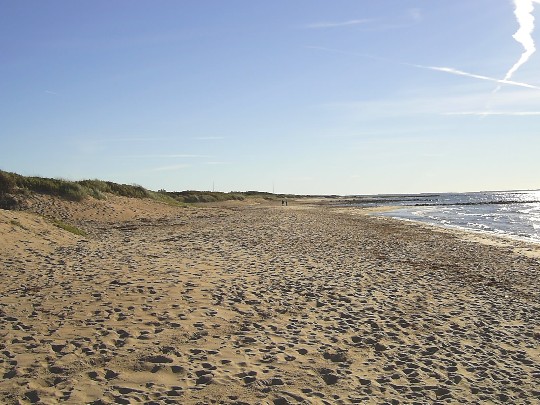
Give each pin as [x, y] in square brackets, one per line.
[12, 183]
[98, 187]
[7, 182]
[67, 227]
[202, 196]
[15, 222]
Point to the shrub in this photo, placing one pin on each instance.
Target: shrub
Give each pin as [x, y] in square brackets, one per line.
[61, 188]
[95, 185]
[7, 182]
[15, 222]
[124, 190]
[71, 191]
[40, 185]
[92, 192]
[8, 202]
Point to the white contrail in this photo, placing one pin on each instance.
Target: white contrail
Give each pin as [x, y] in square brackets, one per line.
[473, 75]
[525, 19]
[436, 68]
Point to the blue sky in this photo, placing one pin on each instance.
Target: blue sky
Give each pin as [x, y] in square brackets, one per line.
[303, 96]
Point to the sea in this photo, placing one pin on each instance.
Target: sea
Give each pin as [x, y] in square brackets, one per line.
[514, 214]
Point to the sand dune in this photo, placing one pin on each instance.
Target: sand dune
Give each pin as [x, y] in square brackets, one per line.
[249, 304]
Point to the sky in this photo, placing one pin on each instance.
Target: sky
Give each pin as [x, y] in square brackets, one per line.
[305, 96]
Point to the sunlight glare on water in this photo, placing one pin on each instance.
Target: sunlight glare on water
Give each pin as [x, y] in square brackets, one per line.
[514, 214]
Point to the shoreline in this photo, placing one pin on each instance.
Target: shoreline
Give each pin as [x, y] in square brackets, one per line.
[260, 304]
[526, 246]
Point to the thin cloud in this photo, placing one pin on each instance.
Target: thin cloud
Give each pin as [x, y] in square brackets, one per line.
[323, 25]
[350, 53]
[413, 16]
[464, 98]
[209, 138]
[216, 163]
[171, 156]
[499, 113]
[474, 76]
[416, 14]
[169, 168]
[302, 178]
[138, 139]
[128, 139]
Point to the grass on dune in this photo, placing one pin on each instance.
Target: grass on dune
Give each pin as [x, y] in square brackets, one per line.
[68, 227]
[13, 183]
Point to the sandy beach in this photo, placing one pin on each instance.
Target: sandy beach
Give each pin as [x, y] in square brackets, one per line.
[248, 303]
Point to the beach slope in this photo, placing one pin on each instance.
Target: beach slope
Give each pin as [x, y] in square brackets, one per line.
[259, 303]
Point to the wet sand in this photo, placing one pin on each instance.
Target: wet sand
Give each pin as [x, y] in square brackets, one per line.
[258, 303]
